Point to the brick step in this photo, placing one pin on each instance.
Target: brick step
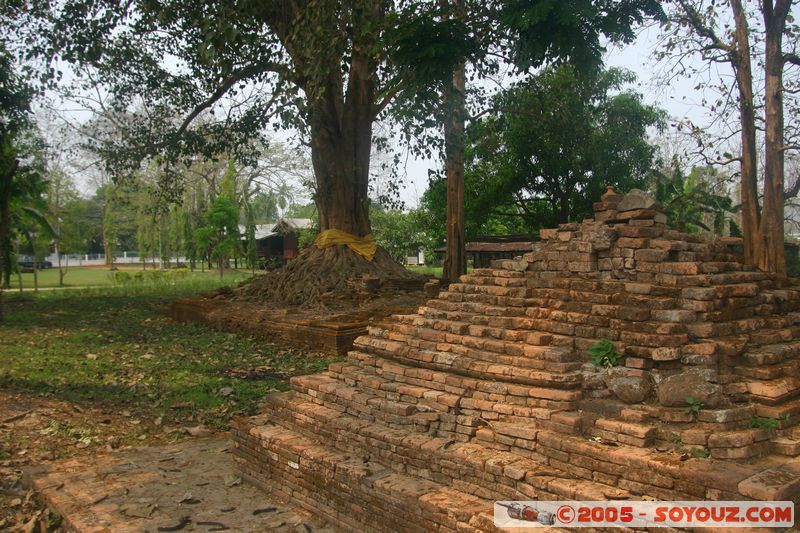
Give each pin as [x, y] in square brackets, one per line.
[788, 446]
[485, 395]
[545, 297]
[354, 493]
[426, 399]
[774, 391]
[360, 401]
[598, 471]
[477, 298]
[760, 330]
[686, 268]
[483, 343]
[757, 355]
[481, 469]
[787, 413]
[713, 257]
[399, 447]
[473, 309]
[769, 372]
[514, 287]
[494, 281]
[494, 273]
[466, 364]
[641, 435]
[745, 276]
[512, 265]
[710, 291]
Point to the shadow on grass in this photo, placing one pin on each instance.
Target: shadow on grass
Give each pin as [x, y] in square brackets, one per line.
[114, 348]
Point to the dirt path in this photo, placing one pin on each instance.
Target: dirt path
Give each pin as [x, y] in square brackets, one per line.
[36, 430]
[188, 485]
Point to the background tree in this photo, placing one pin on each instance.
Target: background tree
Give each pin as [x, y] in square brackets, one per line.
[221, 236]
[61, 193]
[750, 42]
[322, 62]
[21, 165]
[397, 232]
[444, 43]
[695, 202]
[551, 145]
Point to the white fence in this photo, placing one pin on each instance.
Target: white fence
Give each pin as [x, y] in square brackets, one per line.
[100, 259]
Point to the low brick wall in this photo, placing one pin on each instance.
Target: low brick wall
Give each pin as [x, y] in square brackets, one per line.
[334, 336]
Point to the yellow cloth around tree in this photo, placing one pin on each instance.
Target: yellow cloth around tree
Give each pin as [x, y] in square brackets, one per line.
[364, 246]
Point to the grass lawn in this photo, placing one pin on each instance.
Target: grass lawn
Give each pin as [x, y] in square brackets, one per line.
[426, 270]
[112, 347]
[100, 276]
[84, 371]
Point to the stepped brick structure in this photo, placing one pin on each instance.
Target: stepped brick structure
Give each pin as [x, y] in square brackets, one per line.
[489, 393]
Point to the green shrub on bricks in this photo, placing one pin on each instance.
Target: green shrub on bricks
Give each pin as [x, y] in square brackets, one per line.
[604, 355]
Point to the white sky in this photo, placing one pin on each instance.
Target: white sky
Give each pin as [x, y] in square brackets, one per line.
[679, 99]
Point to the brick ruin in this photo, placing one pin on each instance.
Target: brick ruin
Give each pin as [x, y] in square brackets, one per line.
[488, 391]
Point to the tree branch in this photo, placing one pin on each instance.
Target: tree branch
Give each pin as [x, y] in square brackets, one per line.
[219, 93]
[696, 21]
[794, 59]
[792, 191]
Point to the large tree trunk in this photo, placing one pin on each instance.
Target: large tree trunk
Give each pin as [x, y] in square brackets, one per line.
[341, 140]
[773, 258]
[341, 109]
[455, 260]
[751, 219]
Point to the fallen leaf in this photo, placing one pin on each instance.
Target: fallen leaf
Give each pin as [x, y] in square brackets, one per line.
[197, 431]
[189, 499]
[232, 481]
[137, 510]
[91, 356]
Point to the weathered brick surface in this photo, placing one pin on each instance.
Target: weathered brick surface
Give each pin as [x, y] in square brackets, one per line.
[487, 391]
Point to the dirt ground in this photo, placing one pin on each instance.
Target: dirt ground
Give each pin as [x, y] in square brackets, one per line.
[38, 430]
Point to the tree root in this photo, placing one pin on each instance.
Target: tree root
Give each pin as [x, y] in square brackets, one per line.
[330, 278]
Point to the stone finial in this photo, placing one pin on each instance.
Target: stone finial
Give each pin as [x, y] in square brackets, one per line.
[606, 208]
[609, 192]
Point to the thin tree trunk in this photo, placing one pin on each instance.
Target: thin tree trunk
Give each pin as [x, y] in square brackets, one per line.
[455, 261]
[773, 259]
[60, 271]
[751, 211]
[5, 224]
[562, 215]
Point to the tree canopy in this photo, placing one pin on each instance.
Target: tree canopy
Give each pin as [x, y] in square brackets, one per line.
[551, 145]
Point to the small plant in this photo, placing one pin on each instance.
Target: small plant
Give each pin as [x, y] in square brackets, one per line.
[694, 405]
[604, 355]
[701, 453]
[770, 424]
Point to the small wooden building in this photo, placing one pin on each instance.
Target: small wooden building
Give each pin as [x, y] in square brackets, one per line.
[278, 242]
[486, 248]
